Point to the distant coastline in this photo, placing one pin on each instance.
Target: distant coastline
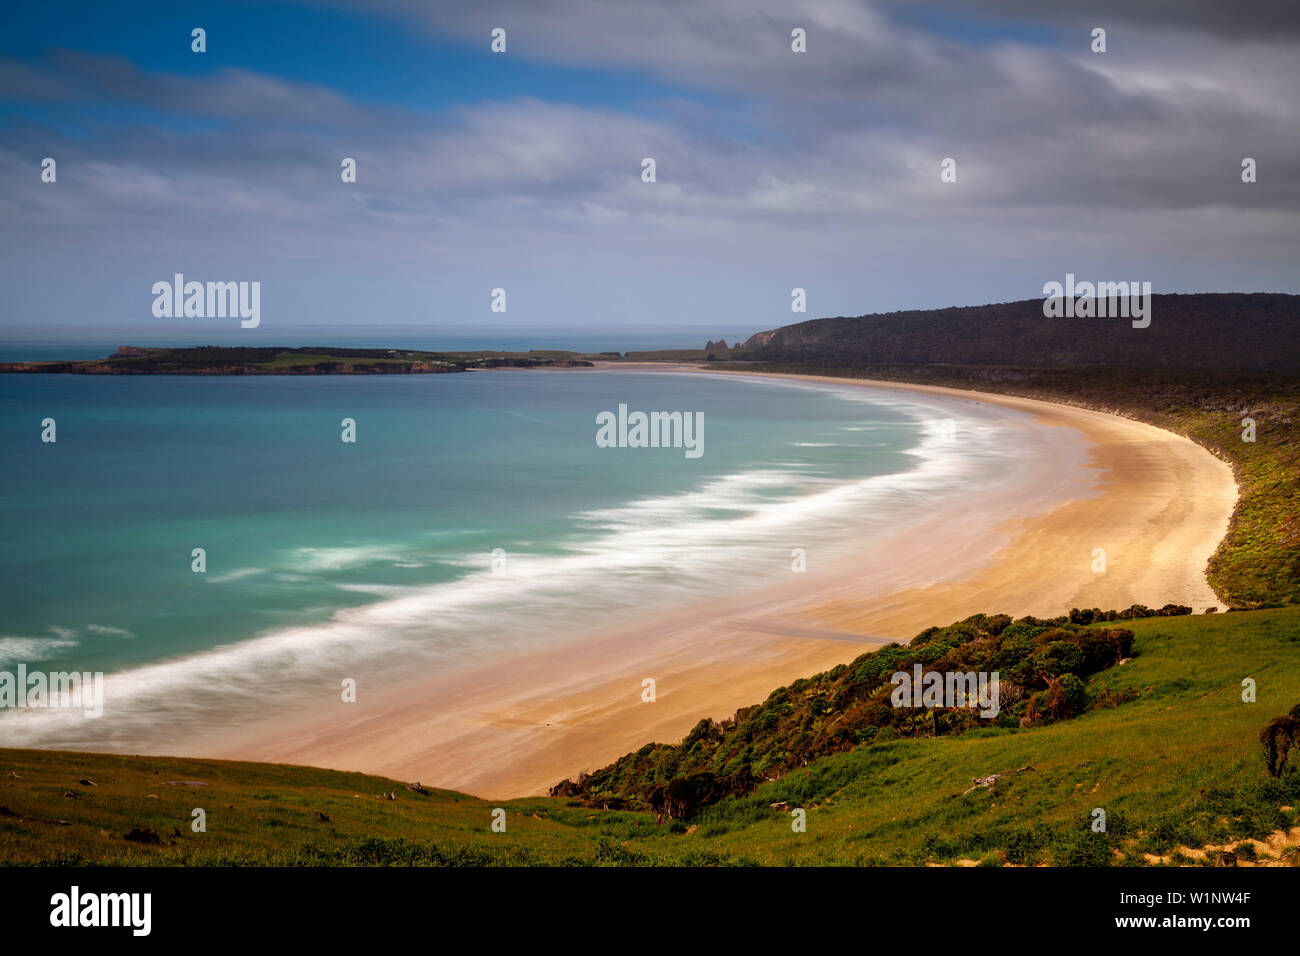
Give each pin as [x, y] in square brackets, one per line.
[308, 360]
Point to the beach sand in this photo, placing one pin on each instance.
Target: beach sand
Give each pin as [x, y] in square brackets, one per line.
[1157, 503]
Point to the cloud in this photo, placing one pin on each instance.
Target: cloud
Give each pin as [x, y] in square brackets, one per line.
[1262, 18]
[812, 162]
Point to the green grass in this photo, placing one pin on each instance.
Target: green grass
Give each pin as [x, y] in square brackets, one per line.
[1043, 667]
[1180, 765]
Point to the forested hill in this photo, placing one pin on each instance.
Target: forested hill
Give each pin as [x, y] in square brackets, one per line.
[1210, 330]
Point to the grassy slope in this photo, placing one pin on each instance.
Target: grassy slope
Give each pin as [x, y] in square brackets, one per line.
[1181, 765]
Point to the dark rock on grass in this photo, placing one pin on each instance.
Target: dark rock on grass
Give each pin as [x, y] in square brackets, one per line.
[143, 835]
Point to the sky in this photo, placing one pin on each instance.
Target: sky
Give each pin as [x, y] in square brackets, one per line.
[522, 170]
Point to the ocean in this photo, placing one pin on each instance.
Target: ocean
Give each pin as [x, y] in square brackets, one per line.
[474, 517]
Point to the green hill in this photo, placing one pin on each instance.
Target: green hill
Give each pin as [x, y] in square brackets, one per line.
[1042, 667]
[1179, 764]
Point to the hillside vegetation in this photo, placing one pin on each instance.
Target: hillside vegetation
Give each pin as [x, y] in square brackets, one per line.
[1042, 667]
[1208, 330]
[1179, 765]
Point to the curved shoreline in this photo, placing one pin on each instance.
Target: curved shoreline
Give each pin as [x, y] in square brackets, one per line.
[1158, 504]
[1168, 554]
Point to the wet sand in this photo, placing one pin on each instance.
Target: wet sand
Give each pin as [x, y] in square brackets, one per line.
[1157, 503]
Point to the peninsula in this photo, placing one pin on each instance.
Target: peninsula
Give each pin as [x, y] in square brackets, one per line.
[308, 360]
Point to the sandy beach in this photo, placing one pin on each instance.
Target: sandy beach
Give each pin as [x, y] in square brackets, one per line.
[1157, 503]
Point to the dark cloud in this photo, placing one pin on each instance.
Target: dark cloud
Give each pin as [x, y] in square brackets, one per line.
[1260, 18]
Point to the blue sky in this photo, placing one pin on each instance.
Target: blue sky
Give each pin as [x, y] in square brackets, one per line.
[374, 59]
[522, 170]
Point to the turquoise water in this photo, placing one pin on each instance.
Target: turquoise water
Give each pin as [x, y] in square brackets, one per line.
[374, 559]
